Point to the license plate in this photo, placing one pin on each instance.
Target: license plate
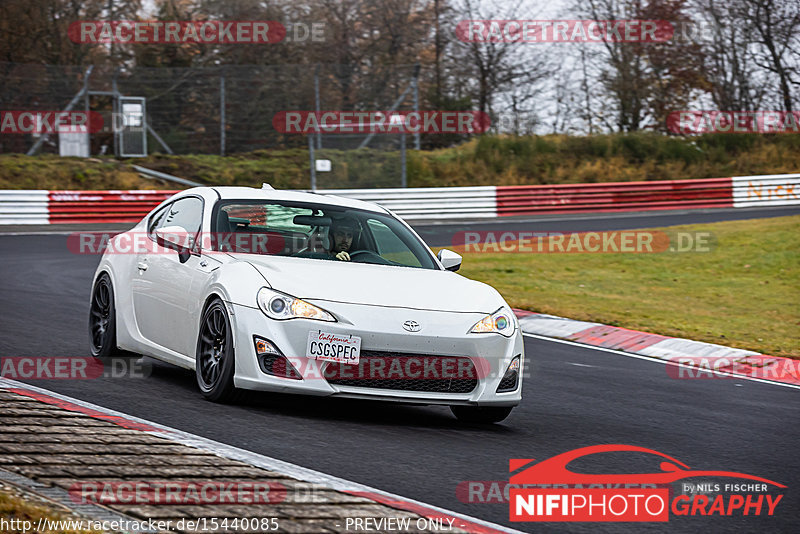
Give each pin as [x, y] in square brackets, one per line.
[340, 348]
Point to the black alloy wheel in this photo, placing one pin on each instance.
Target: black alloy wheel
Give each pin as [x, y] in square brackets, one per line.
[102, 319]
[215, 355]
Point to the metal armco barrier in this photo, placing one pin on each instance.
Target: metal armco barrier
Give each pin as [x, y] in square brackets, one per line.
[103, 206]
[768, 190]
[24, 207]
[618, 196]
[429, 202]
[441, 203]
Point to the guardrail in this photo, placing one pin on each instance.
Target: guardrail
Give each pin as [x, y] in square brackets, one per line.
[150, 174]
[618, 196]
[429, 202]
[766, 190]
[24, 207]
[103, 206]
[441, 203]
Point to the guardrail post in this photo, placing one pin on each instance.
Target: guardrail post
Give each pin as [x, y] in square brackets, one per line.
[313, 162]
[403, 178]
[222, 114]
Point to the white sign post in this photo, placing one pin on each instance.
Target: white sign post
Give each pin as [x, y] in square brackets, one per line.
[74, 144]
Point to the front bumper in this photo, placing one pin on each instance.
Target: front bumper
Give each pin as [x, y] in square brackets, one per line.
[380, 329]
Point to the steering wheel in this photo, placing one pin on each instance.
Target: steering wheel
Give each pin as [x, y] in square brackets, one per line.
[368, 254]
[361, 252]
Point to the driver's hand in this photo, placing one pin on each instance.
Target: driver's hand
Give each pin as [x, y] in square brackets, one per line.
[344, 256]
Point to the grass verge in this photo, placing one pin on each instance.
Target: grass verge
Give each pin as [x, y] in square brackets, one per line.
[744, 293]
[23, 515]
[487, 160]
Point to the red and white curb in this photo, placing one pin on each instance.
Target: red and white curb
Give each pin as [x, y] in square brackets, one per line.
[707, 357]
[461, 521]
[441, 203]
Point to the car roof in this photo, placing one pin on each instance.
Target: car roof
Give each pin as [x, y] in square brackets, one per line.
[252, 193]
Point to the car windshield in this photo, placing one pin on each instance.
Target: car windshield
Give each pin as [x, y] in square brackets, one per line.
[316, 231]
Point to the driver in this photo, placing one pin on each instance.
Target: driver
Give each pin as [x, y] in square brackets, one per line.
[343, 231]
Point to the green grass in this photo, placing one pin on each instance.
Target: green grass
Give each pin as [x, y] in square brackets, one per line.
[14, 506]
[487, 160]
[745, 293]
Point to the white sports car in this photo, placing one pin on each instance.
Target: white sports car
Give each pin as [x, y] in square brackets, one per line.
[305, 293]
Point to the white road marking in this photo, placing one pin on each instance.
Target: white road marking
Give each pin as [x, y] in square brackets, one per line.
[62, 232]
[3, 234]
[656, 360]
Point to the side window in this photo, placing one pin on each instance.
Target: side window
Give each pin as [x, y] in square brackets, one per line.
[391, 247]
[186, 213]
[155, 220]
[266, 216]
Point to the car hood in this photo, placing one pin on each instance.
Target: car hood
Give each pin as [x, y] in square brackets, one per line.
[377, 285]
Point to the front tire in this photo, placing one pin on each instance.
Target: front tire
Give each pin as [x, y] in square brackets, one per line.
[481, 414]
[103, 319]
[215, 358]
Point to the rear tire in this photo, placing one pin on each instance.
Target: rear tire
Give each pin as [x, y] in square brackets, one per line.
[481, 414]
[103, 319]
[215, 358]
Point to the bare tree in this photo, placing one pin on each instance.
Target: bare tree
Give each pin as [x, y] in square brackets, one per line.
[732, 76]
[644, 81]
[775, 25]
[36, 31]
[494, 70]
[624, 76]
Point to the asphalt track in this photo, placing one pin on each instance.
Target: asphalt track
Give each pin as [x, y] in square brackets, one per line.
[441, 234]
[574, 397]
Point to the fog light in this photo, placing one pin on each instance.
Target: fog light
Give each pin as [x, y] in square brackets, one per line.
[510, 380]
[265, 347]
[272, 361]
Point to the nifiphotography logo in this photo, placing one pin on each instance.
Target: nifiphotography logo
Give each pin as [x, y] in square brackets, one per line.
[548, 491]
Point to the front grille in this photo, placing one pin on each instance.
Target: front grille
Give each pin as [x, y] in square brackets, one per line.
[278, 365]
[406, 372]
[509, 382]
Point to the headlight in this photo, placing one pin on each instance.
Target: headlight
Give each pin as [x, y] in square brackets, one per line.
[500, 322]
[281, 306]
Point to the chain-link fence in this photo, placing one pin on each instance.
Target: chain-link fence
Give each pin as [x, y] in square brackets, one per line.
[222, 110]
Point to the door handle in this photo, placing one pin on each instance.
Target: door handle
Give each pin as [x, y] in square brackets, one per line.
[142, 266]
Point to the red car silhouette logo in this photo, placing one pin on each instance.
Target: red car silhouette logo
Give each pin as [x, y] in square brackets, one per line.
[554, 470]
